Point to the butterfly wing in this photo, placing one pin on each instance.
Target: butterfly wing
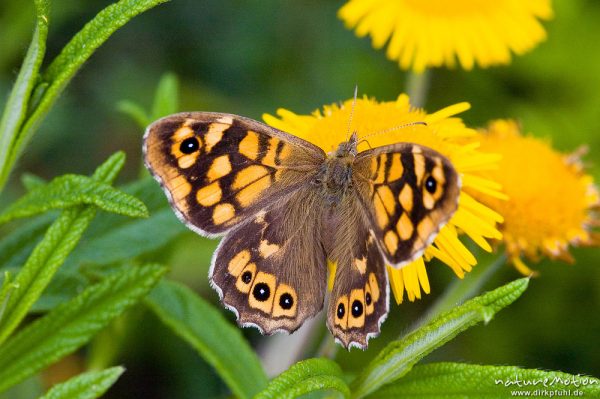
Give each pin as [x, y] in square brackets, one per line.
[219, 169]
[359, 301]
[409, 192]
[271, 269]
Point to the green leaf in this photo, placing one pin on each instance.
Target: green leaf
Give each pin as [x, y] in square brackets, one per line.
[17, 246]
[397, 358]
[15, 110]
[66, 65]
[135, 112]
[166, 98]
[71, 190]
[304, 377]
[206, 330]
[456, 380]
[59, 240]
[31, 181]
[72, 324]
[89, 385]
[108, 171]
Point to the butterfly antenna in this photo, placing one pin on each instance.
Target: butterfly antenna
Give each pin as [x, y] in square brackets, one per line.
[391, 129]
[352, 113]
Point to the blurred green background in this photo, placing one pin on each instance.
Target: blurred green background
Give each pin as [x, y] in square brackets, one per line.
[253, 57]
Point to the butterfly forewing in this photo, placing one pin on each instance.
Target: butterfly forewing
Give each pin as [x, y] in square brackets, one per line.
[409, 192]
[218, 169]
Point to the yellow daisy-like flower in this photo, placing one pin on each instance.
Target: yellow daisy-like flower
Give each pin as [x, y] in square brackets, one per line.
[444, 133]
[551, 199]
[431, 33]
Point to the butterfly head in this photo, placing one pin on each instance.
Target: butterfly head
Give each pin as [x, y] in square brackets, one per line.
[347, 149]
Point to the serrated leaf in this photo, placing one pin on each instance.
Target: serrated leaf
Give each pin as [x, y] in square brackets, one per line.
[112, 239]
[456, 380]
[59, 240]
[206, 330]
[72, 324]
[72, 190]
[15, 110]
[397, 358]
[305, 377]
[89, 385]
[66, 65]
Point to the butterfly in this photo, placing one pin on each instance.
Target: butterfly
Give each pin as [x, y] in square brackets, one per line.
[286, 208]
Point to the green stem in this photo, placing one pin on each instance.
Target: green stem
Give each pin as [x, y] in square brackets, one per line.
[460, 290]
[417, 87]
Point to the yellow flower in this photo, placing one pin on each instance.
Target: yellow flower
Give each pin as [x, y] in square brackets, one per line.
[431, 33]
[551, 199]
[444, 133]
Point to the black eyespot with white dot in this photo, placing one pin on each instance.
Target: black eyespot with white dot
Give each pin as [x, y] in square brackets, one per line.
[430, 184]
[357, 308]
[341, 311]
[246, 277]
[286, 301]
[189, 145]
[368, 298]
[261, 292]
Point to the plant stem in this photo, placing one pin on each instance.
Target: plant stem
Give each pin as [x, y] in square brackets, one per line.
[417, 87]
[460, 290]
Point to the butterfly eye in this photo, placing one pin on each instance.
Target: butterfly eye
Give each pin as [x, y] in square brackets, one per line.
[286, 301]
[341, 310]
[247, 277]
[430, 184]
[357, 308]
[189, 145]
[261, 292]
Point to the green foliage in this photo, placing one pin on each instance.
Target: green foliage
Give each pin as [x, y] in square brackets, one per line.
[305, 377]
[73, 323]
[16, 108]
[35, 93]
[89, 385]
[207, 331]
[59, 240]
[457, 380]
[396, 359]
[70, 190]
[166, 102]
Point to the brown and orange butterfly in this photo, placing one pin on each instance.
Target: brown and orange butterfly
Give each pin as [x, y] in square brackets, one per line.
[286, 208]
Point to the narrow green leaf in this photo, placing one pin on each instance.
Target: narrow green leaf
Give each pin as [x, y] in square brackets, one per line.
[456, 380]
[206, 330]
[71, 190]
[396, 359]
[16, 247]
[15, 110]
[89, 385]
[68, 62]
[108, 171]
[135, 112]
[59, 240]
[72, 324]
[31, 181]
[304, 377]
[166, 98]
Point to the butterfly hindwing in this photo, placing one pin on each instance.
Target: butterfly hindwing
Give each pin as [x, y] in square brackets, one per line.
[217, 169]
[271, 269]
[409, 192]
[359, 300]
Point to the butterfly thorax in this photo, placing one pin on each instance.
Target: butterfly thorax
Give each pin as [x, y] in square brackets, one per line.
[335, 175]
